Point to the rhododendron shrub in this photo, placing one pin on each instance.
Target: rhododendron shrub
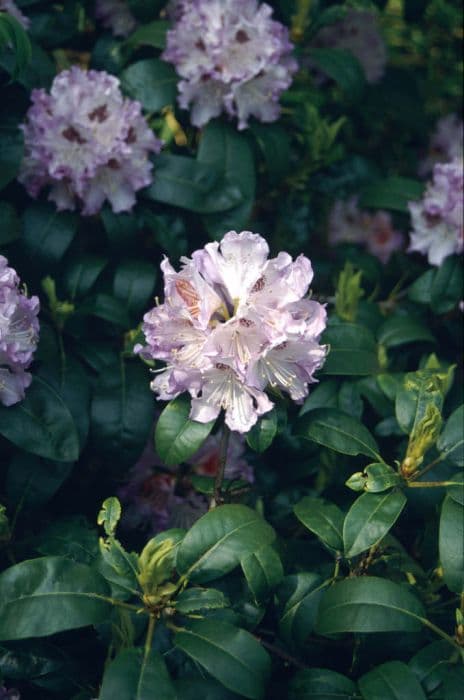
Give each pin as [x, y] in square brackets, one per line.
[231, 461]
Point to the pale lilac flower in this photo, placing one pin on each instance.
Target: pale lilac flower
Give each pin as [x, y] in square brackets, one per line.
[116, 16]
[156, 497]
[446, 143]
[11, 694]
[231, 56]
[87, 142]
[12, 9]
[349, 224]
[358, 32]
[233, 324]
[19, 330]
[437, 219]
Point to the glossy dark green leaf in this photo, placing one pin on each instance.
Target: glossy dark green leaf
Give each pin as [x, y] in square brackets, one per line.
[73, 595]
[430, 664]
[151, 34]
[447, 285]
[195, 599]
[420, 290]
[134, 283]
[324, 395]
[106, 307]
[338, 431]
[134, 676]
[47, 233]
[70, 537]
[391, 681]
[263, 572]
[231, 655]
[299, 596]
[380, 477]
[353, 350]
[152, 82]
[187, 183]
[10, 224]
[217, 542]
[32, 481]
[260, 437]
[343, 67]
[322, 518]
[393, 193]
[400, 330]
[14, 37]
[41, 424]
[451, 538]
[121, 229]
[176, 436]
[321, 684]
[11, 153]
[193, 687]
[451, 440]
[122, 411]
[368, 605]
[81, 273]
[369, 519]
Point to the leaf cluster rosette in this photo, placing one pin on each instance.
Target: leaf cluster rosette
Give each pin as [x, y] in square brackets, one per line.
[87, 142]
[437, 218]
[231, 56]
[233, 323]
[19, 331]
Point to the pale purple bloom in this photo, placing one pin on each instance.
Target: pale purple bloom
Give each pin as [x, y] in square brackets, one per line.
[375, 231]
[155, 497]
[12, 9]
[231, 56]
[446, 143]
[11, 694]
[358, 32]
[437, 219]
[233, 324]
[87, 142]
[19, 330]
[116, 16]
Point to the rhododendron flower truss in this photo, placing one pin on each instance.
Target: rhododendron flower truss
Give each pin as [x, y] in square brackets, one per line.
[19, 331]
[231, 57]
[87, 142]
[235, 323]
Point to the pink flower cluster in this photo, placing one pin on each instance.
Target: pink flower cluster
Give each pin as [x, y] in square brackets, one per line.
[349, 224]
[10, 7]
[156, 497]
[87, 142]
[19, 330]
[358, 32]
[231, 56]
[234, 323]
[437, 219]
[446, 143]
[116, 16]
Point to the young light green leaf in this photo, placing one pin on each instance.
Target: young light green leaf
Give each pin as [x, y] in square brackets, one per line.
[110, 515]
[195, 599]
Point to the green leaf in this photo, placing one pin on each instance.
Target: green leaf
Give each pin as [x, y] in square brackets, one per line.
[322, 518]
[420, 290]
[12, 35]
[11, 153]
[263, 571]
[456, 491]
[400, 330]
[219, 540]
[299, 596]
[31, 481]
[430, 663]
[189, 184]
[369, 519]
[41, 424]
[106, 307]
[353, 350]
[134, 283]
[194, 599]
[151, 34]
[231, 655]
[176, 436]
[343, 67]
[451, 441]
[321, 684]
[70, 537]
[30, 659]
[393, 193]
[447, 285]
[419, 390]
[260, 437]
[73, 595]
[368, 604]
[391, 681]
[81, 273]
[109, 515]
[47, 233]
[324, 395]
[134, 676]
[10, 224]
[380, 477]
[192, 688]
[122, 411]
[451, 549]
[338, 431]
[152, 82]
